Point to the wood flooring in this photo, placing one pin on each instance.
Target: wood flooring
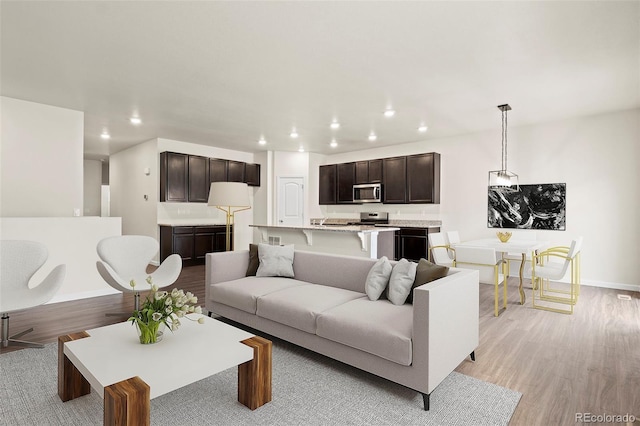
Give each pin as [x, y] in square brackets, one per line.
[588, 362]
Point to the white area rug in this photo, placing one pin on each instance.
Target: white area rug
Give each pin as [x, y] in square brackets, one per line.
[308, 389]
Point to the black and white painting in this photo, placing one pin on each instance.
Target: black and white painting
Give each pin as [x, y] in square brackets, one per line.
[541, 206]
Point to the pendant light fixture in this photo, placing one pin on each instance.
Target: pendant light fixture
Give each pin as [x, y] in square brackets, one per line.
[503, 179]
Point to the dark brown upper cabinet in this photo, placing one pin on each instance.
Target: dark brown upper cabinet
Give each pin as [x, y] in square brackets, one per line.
[218, 170]
[174, 177]
[423, 178]
[327, 182]
[368, 172]
[198, 179]
[362, 172]
[236, 171]
[394, 171]
[252, 174]
[346, 177]
[187, 178]
[375, 171]
[406, 179]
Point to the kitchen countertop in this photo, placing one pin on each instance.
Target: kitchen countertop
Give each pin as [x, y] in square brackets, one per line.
[415, 223]
[400, 223]
[333, 228]
[191, 222]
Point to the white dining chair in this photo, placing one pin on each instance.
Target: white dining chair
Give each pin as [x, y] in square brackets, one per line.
[439, 251]
[491, 266]
[552, 265]
[453, 237]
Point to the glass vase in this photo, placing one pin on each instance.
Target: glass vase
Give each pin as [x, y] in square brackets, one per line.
[150, 332]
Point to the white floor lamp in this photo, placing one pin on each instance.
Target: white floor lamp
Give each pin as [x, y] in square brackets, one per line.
[230, 197]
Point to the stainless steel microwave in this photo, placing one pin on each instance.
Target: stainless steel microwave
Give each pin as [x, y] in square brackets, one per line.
[367, 193]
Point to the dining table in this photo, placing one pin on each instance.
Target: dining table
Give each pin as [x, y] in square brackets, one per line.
[512, 246]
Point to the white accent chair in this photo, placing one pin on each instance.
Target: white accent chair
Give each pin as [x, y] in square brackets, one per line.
[453, 237]
[19, 261]
[491, 266]
[125, 258]
[439, 251]
[552, 265]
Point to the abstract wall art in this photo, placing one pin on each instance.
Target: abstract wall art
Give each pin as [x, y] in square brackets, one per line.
[540, 206]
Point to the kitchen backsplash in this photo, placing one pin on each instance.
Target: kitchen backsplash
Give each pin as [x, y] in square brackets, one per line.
[172, 211]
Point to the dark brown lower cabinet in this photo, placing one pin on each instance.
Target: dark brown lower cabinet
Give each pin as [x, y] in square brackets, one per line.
[192, 243]
[412, 243]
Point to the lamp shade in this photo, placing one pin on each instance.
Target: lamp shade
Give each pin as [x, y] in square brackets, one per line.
[233, 194]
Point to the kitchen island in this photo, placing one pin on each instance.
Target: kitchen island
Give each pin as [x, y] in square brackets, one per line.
[352, 240]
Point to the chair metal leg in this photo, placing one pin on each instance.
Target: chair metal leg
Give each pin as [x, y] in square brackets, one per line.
[11, 340]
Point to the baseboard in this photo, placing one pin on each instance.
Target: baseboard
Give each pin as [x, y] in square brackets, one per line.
[84, 295]
[605, 284]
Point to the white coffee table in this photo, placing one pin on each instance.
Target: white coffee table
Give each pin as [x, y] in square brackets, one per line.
[127, 374]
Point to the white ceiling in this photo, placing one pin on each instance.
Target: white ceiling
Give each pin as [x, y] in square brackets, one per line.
[226, 73]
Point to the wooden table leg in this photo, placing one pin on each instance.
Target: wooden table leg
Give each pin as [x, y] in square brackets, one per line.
[71, 383]
[254, 377]
[127, 403]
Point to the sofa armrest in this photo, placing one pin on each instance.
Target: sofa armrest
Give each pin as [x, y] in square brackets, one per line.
[225, 266]
[445, 323]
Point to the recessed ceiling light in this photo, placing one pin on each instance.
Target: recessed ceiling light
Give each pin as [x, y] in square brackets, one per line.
[294, 134]
[422, 128]
[389, 113]
[333, 143]
[262, 141]
[135, 120]
[301, 149]
[372, 137]
[335, 125]
[105, 135]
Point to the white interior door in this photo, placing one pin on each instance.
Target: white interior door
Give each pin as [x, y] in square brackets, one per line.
[290, 201]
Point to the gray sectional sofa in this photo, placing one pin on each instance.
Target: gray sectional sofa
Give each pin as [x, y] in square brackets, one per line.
[325, 309]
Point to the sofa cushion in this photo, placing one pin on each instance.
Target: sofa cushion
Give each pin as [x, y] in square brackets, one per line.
[378, 278]
[254, 261]
[275, 261]
[425, 273]
[244, 292]
[379, 328]
[402, 276]
[299, 306]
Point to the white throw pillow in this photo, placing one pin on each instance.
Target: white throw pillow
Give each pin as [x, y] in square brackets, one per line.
[275, 261]
[378, 278]
[402, 276]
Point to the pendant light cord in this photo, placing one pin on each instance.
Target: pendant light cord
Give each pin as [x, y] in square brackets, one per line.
[504, 139]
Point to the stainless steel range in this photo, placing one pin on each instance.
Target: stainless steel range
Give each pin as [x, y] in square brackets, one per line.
[372, 218]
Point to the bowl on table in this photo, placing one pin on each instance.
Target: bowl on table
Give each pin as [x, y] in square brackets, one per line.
[503, 236]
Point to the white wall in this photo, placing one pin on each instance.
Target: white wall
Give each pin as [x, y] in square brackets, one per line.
[92, 187]
[597, 157]
[128, 186]
[41, 159]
